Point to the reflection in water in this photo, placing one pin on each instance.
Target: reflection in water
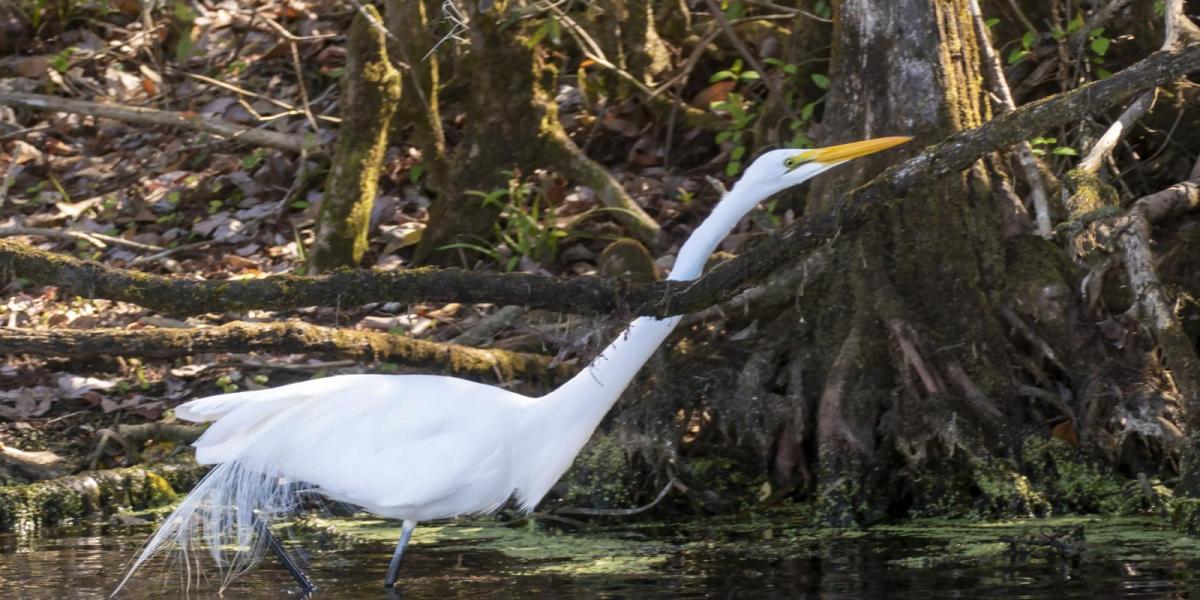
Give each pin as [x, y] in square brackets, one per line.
[86, 562]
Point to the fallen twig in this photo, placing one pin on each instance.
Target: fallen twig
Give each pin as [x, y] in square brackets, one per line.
[151, 116]
[617, 512]
[98, 240]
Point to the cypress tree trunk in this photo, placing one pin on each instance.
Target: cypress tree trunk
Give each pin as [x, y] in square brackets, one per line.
[918, 278]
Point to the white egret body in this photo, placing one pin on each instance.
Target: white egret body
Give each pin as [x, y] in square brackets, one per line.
[422, 447]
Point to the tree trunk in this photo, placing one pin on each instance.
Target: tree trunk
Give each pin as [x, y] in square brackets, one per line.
[919, 276]
[512, 128]
[370, 92]
[930, 362]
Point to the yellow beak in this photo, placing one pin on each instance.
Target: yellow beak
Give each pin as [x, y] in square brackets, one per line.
[839, 153]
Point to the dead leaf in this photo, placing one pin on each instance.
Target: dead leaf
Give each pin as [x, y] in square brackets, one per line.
[74, 386]
[239, 262]
[624, 127]
[1065, 432]
[713, 93]
[188, 370]
[24, 152]
[26, 402]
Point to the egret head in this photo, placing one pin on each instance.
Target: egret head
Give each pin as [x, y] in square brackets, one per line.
[780, 169]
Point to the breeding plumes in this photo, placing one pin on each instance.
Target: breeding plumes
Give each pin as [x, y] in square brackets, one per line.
[421, 447]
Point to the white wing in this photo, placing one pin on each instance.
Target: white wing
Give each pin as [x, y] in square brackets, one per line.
[406, 446]
[396, 445]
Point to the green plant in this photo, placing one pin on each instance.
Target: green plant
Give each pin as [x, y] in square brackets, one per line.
[1040, 144]
[742, 117]
[527, 228]
[1027, 42]
[741, 112]
[61, 61]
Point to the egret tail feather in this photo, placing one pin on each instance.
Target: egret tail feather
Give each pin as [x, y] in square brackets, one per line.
[220, 516]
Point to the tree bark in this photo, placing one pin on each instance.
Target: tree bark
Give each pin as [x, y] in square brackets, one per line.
[370, 93]
[918, 275]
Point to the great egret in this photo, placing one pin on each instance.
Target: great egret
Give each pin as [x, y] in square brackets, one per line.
[421, 447]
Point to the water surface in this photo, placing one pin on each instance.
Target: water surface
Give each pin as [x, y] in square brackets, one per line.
[721, 560]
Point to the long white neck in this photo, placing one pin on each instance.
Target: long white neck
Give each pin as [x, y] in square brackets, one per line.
[558, 424]
[594, 390]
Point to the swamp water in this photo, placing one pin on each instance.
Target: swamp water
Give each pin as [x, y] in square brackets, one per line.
[718, 558]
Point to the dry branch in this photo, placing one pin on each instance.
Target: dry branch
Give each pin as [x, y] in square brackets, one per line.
[473, 363]
[1025, 157]
[594, 295]
[1153, 302]
[151, 116]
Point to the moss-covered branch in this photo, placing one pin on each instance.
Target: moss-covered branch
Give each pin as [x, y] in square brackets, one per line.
[473, 363]
[75, 496]
[181, 296]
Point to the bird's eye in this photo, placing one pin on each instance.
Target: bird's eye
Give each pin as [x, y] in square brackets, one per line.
[790, 162]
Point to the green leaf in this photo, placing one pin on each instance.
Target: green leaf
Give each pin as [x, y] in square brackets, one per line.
[750, 76]
[1017, 56]
[1028, 39]
[821, 81]
[721, 76]
[1100, 45]
[415, 173]
[537, 36]
[738, 153]
[1064, 151]
[807, 112]
[1103, 73]
[724, 136]
[733, 168]
[990, 23]
[1075, 24]
[791, 69]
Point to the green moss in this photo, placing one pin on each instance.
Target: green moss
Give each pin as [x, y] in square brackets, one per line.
[1070, 480]
[1185, 515]
[1006, 491]
[1103, 538]
[600, 475]
[58, 500]
[537, 550]
[1092, 195]
[734, 480]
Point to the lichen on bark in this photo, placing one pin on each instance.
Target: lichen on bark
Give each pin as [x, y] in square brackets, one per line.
[370, 93]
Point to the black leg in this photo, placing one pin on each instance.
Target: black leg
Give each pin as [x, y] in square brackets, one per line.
[288, 563]
[394, 566]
